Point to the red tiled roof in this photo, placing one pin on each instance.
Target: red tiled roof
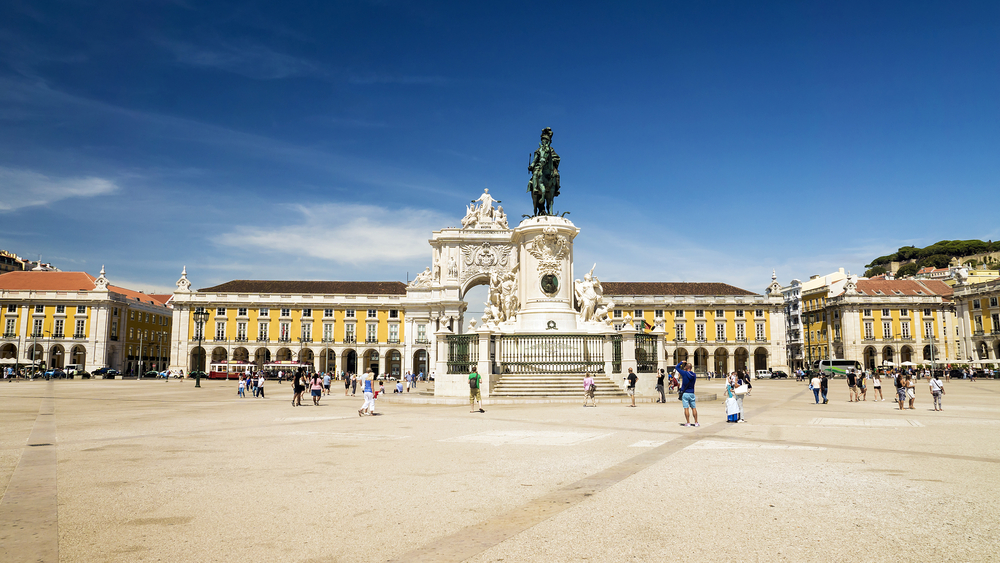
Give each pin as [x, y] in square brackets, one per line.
[672, 288]
[300, 287]
[871, 287]
[67, 281]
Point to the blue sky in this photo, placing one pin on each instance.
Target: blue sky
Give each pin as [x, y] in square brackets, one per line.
[700, 141]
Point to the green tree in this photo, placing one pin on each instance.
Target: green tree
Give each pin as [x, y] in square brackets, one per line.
[934, 260]
[907, 270]
[875, 271]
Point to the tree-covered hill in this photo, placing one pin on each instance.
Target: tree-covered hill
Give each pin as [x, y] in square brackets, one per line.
[937, 255]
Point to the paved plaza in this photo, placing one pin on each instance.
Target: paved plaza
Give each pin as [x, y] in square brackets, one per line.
[160, 471]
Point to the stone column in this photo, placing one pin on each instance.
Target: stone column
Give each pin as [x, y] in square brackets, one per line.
[628, 361]
[483, 367]
[609, 353]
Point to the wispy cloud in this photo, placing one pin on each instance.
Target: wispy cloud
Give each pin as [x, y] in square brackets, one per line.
[344, 233]
[24, 188]
[252, 61]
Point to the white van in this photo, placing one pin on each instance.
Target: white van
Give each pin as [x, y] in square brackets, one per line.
[763, 374]
[73, 369]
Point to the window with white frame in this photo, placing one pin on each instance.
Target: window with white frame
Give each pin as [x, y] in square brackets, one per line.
[887, 330]
[739, 313]
[220, 311]
[699, 332]
[241, 331]
[836, 331]
[349, 333]
[307, 332]
[741, 332]
[759, 313]
[131, 332]
[241, 311]
[394, 332]
[886, 313]
[58, 330]
[264, 312]
[114, 330]
[393, 313]
[995, 319]
[975, 303]
[306, 313]
[41, 308]
[720, 313]
[372, 313]
[679, 328]
[658, 314]
[979, 323]
[286, 312]
[371, 332]
[617, 313]
[80, 327]
[199, 331]
[699, 313]
[867, 312]
[285, 331]
[720, 332]
[637, 314]
[220, 330]
[993, 301]
[904, 329]
[327, 332]
[869, 331]
[8, 330]
[60, 309]
[928, 329]
[12, 308]
[927, 313]
[349, 313]
[760, 331]
[262, 332]
[422, 333]
[327, 313]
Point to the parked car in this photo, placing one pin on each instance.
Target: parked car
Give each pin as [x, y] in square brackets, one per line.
[107, 372]
[779, 375]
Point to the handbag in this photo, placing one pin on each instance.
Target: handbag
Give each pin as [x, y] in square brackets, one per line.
[742, 389]
[732, 407]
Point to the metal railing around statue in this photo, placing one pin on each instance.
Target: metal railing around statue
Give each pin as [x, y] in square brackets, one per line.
[645, 353]
[550, 354]
[616, 353]
[463, 352]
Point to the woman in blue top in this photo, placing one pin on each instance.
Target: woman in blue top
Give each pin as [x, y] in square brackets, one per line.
[687, 393]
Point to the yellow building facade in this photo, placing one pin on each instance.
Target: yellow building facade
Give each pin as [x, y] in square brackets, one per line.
[72, 319]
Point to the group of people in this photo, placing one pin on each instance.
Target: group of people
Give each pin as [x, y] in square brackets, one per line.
[858, 383]
[254, 382]
[682, 379]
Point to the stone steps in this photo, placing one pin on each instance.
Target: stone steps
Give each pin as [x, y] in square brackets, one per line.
[553, 385]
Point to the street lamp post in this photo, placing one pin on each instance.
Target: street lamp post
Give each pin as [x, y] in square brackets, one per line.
[200, 316]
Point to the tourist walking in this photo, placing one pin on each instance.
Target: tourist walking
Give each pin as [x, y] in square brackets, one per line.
[911, 390]
[326, 384]
[687, 393]
[316, 388]
[632, 378]
[937, 390]
[862, 387]
[659, 387]
[852, 386]
[824, 387]
[814, 385]
[475, 395]
[354, 383]
[347, 384]
[742, 389]
[901, 384]
[260, 385]
[297, 388]
[589, 387]
[368, 407]
[877, 387]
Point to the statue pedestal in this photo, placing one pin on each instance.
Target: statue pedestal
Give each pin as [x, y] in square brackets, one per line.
[545, 275]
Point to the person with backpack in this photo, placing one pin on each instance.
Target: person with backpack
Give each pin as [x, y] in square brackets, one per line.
[588, 390]
[475, 382]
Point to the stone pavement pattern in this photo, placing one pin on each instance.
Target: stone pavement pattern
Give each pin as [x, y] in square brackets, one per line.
[154, 471]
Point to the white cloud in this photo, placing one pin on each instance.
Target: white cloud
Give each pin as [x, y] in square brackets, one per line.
[24, 188]
[344, 233]
[252, 61]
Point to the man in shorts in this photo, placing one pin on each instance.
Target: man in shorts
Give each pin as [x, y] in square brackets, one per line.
[852, 385]
[688, 378]
[326, 384]
[631, 378]
[475, 383]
